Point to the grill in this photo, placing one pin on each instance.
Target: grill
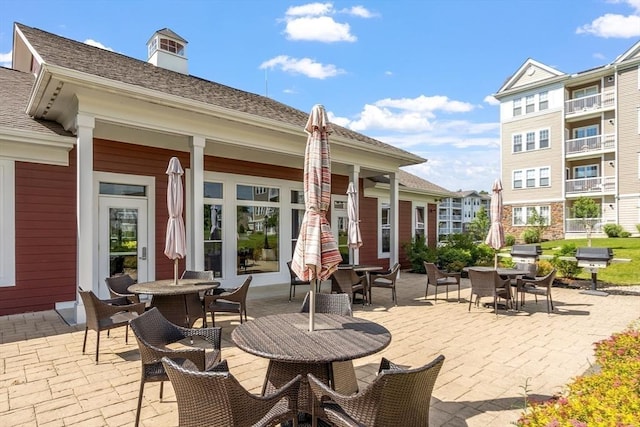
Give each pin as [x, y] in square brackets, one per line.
[525, 254]
[594, 259]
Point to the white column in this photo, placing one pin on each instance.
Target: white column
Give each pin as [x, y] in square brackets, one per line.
[87, 258]
[394, 215]
[195, 256]
[355, 178]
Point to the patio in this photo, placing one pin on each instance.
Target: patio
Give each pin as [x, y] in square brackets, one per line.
[45, 380]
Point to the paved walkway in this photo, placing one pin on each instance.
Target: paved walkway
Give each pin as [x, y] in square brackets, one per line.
[490, 362]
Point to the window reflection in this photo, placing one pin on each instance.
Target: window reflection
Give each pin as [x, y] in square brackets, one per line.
[258, 241]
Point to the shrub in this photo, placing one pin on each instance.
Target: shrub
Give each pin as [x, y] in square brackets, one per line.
[417, 251]
[566, 268]
[613, 230]
[454, 259]
[625, 234]
[608, 397]
[531, 235]
[544, 267]
[510, 239]
[638, 227]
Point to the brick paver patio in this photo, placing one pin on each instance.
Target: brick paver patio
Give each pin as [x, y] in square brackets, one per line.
[45, 380]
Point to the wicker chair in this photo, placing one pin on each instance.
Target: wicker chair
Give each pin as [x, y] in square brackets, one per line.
[229, 302]
[396, 397]
[296, 281]
[387, 281]
[436, 277]
[347, 281]
[154, 333]
[489, 284]
[538, 286]
[218, 399]
[118, 287]
[329, 303]
[205, 276]
[104, 315]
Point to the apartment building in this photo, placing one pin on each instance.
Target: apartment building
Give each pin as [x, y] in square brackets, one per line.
[565, 136]
[457, 212]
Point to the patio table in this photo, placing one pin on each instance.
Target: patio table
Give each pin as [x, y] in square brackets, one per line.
[285, 340]
[179, 303]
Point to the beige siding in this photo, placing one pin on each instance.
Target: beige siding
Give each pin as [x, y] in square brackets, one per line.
[537, 76]
[628, 138]
[551, 157]
[629, 214]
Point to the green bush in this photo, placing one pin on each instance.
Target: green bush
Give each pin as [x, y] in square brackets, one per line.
[613, 230]
[625, 234]
[454, 259]
[544, 267]
[566, 268]
[608, 397]
[417, 252]
[531, 235]
[510, 239]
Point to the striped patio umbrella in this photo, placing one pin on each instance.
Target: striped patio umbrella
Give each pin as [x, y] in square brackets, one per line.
[175, 241]
[316, 255]
[495, 238]
[354, 238]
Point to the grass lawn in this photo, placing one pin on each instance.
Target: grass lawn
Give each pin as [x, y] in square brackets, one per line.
[624, 273]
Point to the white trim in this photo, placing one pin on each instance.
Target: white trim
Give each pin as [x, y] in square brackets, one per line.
[7, 224]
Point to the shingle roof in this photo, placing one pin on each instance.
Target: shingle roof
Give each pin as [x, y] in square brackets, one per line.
[67, 53]
[15, 88]
[416, 183]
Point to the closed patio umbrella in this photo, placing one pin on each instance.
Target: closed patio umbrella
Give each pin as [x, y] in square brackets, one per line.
[175, 241]
[316, 255]
[495, 237]
[354, 239]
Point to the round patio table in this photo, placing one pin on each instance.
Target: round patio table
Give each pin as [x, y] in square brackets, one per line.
[292, 349]
[179, 303]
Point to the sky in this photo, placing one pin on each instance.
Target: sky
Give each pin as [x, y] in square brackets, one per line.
[416, 74]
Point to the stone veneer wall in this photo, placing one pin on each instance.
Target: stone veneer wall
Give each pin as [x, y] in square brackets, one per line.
[554, 232]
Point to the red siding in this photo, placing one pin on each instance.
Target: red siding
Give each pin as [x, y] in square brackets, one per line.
[45, 238]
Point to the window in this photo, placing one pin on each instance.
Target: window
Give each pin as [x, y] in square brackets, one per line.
[543, 101]
[171, 46]
[587, 91]
[531, 178]
[517, 217]
[544, 177]
[545, 212]
[517, 179]
[530, 104]
[544, 138]
[586, 131]
[517, 107]
[7, 221]
[531, 141]
[153, 46]
[297, 213]
[419, 221]
[586, 171]
[517, 143]
[213, 226]
[521, 215]
[385, 228]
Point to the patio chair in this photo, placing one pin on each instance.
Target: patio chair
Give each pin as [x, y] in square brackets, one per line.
[387, 281]
[347, 281]
[229, 302]
[488, 283]
[538, 286]
[118, 287]
[437, 277]
[344, 374]
[218, 399]
[329, 303]
[296, 281]
[155, 336]
[205, 276]
[104, 315]
[396, 397]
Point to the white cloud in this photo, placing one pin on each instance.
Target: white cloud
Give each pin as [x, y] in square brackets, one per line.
[318, 28]
[92, 42]
[5, 59]
[426, 104]
[311, 9]
[359, 11]
[305, 66]
[388, 73]
[489, 99]
[611, 25]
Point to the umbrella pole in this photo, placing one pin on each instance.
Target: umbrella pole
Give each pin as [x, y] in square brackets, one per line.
[175, 271]
[312, 304]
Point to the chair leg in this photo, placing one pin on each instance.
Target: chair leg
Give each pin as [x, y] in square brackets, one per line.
[458, 292]
[290, 290]
[84, 343]
[98, 345]
[447, 291]
[126, 333]
[470, 300]
[161, 389]
[139, 401]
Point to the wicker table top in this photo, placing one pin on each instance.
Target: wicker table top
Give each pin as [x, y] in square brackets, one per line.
[286, 338]
[508, 272]
[167, 287]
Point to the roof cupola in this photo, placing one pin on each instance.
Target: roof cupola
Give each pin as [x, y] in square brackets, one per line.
[168, 50]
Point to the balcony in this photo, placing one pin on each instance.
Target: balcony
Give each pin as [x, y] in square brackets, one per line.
[590, 103]
[595, 185]
[577, 225]
[590, 145]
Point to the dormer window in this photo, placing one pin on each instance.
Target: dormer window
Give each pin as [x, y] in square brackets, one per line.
[172, 46]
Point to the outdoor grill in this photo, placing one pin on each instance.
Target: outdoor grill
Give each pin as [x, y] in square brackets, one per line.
[594, 259]
[525, 254]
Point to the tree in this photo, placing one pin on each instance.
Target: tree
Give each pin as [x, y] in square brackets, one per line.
[479, 227]
[537, 226]
[588, 211]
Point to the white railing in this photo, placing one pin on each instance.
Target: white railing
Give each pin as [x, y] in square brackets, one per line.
[579, 225]
[590, 102]
[591, 143]
[599, 184]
